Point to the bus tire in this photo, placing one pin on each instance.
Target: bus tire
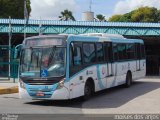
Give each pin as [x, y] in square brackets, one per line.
[128, 80]
[88, 90]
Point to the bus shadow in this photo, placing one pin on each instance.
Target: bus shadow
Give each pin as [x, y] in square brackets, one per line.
[118, 96]
[110, 98]
[75, 103]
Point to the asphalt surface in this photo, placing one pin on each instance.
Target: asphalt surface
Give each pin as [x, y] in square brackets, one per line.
[142, 97]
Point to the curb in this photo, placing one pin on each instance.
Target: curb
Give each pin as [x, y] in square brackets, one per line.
[9, 90]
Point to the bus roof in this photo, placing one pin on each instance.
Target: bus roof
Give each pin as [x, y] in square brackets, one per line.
[93, 37]
[44, 36]
[103, 38]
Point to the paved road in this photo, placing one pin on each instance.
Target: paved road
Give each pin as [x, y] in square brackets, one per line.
[142, 97]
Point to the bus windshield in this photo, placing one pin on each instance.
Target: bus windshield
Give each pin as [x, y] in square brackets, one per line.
[43, 62]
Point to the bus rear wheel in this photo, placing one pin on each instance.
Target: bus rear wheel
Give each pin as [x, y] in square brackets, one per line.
[128, 80]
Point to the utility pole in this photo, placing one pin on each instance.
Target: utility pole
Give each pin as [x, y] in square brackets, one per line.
[26, 17]
[90, 6]
[9, 48]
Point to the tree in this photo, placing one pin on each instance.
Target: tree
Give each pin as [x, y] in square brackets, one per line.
[143, 14]
[100, 18]
[66, 15]
[115, 18]
[13, 8]
[158, 16]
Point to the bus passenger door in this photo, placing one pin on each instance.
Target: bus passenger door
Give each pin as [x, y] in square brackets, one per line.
[109, 60]
[76, 80]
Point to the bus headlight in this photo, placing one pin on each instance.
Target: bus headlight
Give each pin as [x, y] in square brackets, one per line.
[60, 84]
[22, 84]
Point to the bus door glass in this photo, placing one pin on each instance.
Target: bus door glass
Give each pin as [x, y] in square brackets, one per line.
[109, 57]
[75, 68]
[75, 58]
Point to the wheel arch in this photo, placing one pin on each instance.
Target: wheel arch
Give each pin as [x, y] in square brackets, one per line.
[90, 79]
[129, 72]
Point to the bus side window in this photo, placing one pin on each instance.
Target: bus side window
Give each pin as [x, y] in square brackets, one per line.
[77, 60]
[108, 52]
[115, 52]
[130, 51]
[122, 51]
[99, 50]
[89, 53]
[71, 55]
[137, 51]
[75, 54]
[142, 51]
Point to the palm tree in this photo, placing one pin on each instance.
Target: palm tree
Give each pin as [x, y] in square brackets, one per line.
[66, 15]
[100, 18]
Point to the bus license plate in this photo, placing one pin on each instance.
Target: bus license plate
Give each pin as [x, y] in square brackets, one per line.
[40, 94]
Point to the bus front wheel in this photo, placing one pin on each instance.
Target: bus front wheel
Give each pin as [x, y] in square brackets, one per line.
[88, 91]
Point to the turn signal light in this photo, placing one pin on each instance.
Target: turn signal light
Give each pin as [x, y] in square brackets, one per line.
[22, 84]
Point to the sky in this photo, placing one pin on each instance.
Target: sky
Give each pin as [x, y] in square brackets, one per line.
[51, 9]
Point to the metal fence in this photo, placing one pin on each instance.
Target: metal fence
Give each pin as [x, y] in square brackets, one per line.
[8, 65]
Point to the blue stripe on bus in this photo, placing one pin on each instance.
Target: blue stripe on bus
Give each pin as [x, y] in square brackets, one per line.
[99, 77]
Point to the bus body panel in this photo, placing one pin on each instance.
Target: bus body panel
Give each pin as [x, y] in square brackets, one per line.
[23, 93]
[77, 82]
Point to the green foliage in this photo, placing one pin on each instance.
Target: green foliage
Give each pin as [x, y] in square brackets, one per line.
[115, 18]
[143, 14]
[66, 15]
[100, 18]
[13, 8]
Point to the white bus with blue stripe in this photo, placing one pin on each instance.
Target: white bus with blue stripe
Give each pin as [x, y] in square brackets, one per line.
[58, 67]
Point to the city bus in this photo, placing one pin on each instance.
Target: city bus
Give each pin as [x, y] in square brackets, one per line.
[62, 67]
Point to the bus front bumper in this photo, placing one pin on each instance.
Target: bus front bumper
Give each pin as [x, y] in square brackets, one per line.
[43, 92]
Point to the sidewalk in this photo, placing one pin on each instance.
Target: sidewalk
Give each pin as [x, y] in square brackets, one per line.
[8, 87]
